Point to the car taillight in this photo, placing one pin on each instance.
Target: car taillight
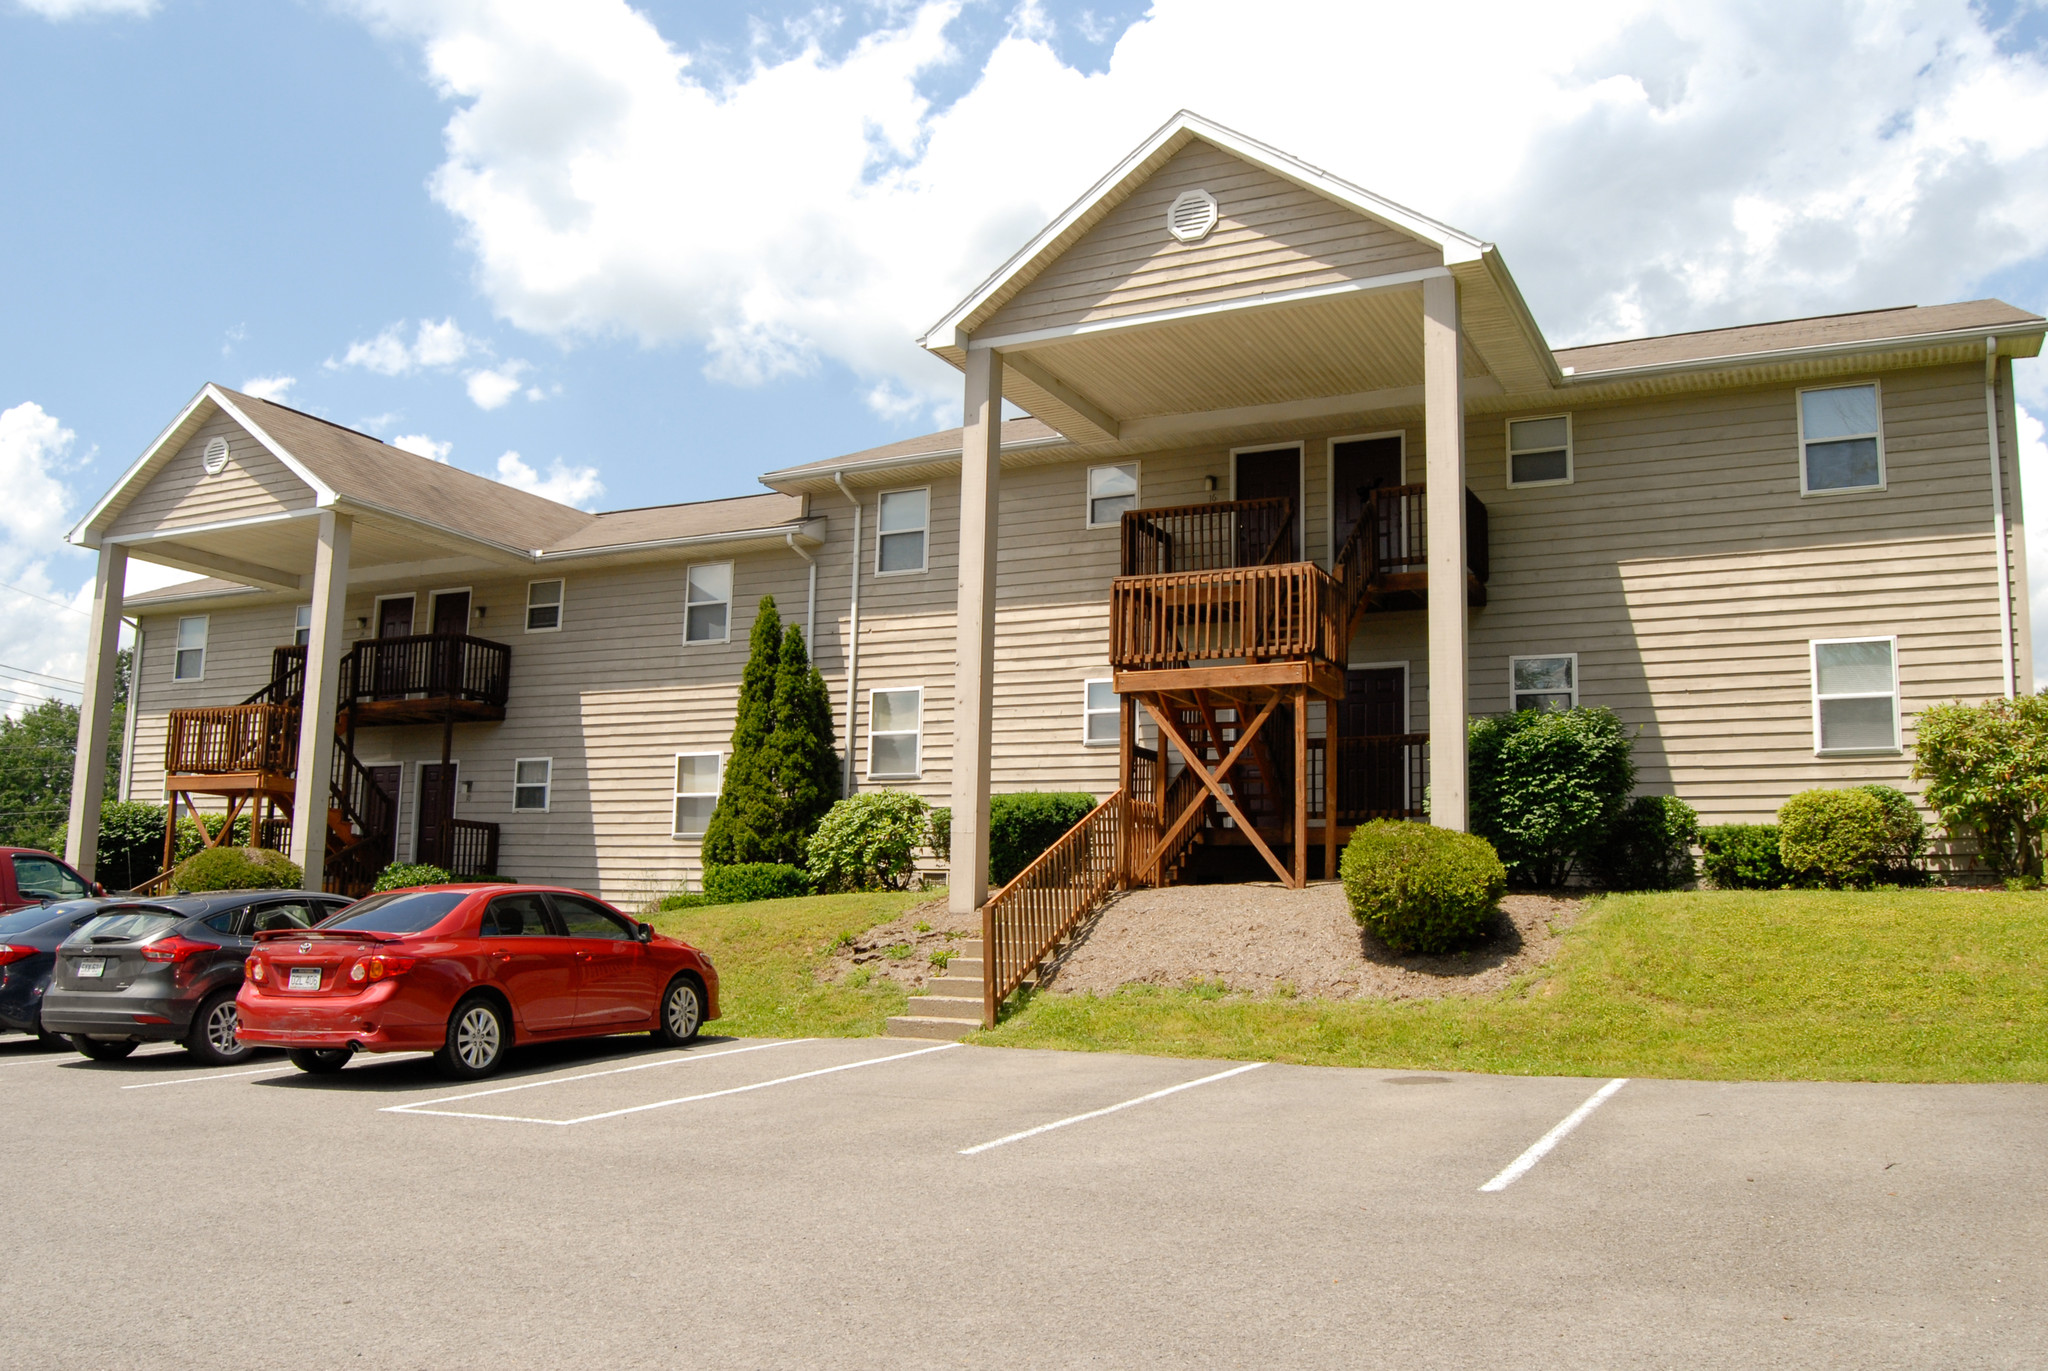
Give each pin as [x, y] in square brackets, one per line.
[175, 949]
[379, 967]
[14, 952]
[254, 969]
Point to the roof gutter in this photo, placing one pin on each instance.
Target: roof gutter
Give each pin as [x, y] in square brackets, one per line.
[810, 596]
[1725, 361]
[852, 639]
[692, 540]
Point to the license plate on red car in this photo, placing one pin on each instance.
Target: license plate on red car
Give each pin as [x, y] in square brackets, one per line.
[304, 978]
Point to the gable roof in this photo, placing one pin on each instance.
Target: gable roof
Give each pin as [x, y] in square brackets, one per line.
[1746, 342]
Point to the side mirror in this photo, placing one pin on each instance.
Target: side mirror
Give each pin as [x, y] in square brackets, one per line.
[646, 932]
[98, 890]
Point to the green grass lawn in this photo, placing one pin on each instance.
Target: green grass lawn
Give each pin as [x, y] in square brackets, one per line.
[1921, 985]
[768, 954]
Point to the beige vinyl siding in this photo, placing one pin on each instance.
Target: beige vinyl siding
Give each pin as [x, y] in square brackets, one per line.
[181, 494]
[1271, 235]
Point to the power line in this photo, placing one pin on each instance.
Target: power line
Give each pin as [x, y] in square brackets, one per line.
[46, 675]
[57, 691]
[44, 598]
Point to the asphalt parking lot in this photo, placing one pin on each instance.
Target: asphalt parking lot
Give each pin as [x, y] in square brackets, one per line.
[898, 1204]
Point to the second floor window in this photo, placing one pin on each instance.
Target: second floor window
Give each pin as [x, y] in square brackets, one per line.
[302, 625]
[191, 662]
[1540, 451]
[710, 603]
[1111, 491]
[1840, 444]
[543, 606]
[900, 525]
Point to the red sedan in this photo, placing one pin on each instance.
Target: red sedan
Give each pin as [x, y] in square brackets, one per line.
[465, 971]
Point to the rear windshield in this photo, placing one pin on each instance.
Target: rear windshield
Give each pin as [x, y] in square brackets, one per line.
[128, 924]
[400, 911]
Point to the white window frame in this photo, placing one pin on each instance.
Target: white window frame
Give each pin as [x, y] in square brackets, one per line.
[561, 603]
[918, 733]
[178, 648]
[1883, 469]
[377, 613]
[1115, 711]
[730, 591]
[1577, 681]
[1508, 449]
[1813, 648]
[546, 783]
[923, 532]
[1088, 492]
[302, 623]
[674, 777]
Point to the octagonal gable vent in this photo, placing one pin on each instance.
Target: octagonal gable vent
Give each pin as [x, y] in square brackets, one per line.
[1191, 216]
[216, 458]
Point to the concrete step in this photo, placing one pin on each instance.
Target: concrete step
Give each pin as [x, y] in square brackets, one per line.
[951, 984]
[967, 967]
[946, 1006]
[923, 1026]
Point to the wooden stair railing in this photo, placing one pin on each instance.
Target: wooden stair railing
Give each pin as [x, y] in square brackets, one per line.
[1025, 920]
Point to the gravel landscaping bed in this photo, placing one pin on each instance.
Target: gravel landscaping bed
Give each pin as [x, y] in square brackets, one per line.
[1266, 939]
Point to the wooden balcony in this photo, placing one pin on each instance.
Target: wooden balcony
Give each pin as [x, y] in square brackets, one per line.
[1239, 626]
[425, 678]
[247, 749]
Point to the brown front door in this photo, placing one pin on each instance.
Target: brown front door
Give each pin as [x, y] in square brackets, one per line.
[394, 617]
[1359, 467]
[1261, 476]
[394, 620]
[434, 844]
[387, 779]
[451, 612]
[1373, 776]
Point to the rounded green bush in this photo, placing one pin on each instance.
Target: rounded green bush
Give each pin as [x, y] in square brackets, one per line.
[1420, 888]
[744, 881]
[236, 868]
[405, 875]
[1835, 838]
[1906, 834]
[1743, 857]
[869, 842]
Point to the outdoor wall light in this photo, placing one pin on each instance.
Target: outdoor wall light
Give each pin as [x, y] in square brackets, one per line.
[1209, 483]
[480, 610]
[465, 788]
[362, 621]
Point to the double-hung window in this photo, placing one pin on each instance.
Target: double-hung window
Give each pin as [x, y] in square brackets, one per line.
[706, 616]
[1550, 682]
[1111, 491]
[1540, 451]
[901, 521]
[1099, 724]
[697, 779]
[543, 606]
[1841, 442]
[191, 660]
[1855, 695]
[302, 625]
[532, 779]
[895, 723]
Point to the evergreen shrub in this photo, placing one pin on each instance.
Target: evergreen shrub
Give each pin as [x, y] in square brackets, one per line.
[1547, 785]
[405, 875]
[869, 842]
[781, 772]
[1023, 825]
[1986, 768]
[131, 847]
[1743, 857]
[1648, 846]
[1905, 836]
[1835, 838]
[1421, 888]
[939, 837]
[755, 881]
[236, 868]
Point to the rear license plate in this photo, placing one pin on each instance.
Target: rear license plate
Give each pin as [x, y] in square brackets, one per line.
[304, 978]
[90, 967]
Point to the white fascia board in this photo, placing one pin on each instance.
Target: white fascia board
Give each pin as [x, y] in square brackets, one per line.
[1456, 245]
[137, 542]
[887, 464]
[1811, 352]
[489, 547]
[809, 532]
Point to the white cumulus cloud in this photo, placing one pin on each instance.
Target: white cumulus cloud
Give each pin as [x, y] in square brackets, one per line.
[269, 387]
[578, 486]
[440, 344]
[421, 445]
[81, 9]
[491, 387]
[42, 625]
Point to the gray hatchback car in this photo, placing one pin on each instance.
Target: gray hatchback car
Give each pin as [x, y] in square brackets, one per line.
[166, 970]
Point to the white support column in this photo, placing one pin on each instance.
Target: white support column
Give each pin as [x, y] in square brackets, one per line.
[316, 715]
[1443, 389]
[975, 641]
[96, 712]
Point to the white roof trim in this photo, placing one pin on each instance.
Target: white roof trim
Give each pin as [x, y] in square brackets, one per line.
[941, 455]
[1457, 245]
[1723, 361]
[807, 531]
[82, 535]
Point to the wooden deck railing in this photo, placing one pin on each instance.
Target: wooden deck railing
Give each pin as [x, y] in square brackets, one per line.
[1378, 777]
[1208, 537]
[1288, 612]
[473, 848]
[433, 665]
[287, 677]
[233, 740]
[1025, 920]
[1150, 816]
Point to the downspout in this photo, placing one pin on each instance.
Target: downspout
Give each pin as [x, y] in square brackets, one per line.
[128, 723]
[810, 598]
[852, 638]
[1998, 510]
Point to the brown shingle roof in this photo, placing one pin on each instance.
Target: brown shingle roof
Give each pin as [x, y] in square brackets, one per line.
[1015, 431]
[662, 523]
[1867, 326]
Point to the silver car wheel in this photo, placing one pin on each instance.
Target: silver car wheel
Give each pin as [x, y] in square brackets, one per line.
[478, 1037]
[220, 1029]
[683, 1012]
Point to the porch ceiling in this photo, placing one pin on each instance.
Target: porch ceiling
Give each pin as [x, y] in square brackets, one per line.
[277, 553]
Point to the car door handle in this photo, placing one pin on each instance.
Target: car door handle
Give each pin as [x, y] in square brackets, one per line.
[501, 955]
[582, 956]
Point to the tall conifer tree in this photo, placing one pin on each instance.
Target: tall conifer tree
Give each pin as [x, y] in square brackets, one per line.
[798, 763]
[748, 808]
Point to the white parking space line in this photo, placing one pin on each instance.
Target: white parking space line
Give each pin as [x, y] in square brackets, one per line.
[1519, 1167]
[67, 1057]
[419, 1106]
[216, 1076]
[1098, 1113]
[423, 1107]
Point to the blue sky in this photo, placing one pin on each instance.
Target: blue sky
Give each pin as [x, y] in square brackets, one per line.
[659, 250]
